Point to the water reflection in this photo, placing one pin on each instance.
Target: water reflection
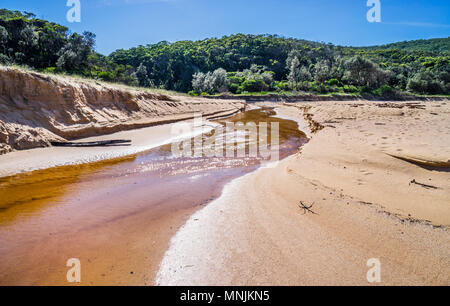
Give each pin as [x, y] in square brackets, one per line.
[28, 194]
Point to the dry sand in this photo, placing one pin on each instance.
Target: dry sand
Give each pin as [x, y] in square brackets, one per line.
[364, 203]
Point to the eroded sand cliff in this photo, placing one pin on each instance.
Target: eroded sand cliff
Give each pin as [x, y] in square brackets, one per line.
[37, 108]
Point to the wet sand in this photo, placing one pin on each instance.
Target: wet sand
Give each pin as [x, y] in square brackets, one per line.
[116, 216]
[363, 202]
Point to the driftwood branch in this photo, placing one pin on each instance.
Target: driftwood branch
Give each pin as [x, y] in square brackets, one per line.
[92, 144]
[423, 185]
[306, 208]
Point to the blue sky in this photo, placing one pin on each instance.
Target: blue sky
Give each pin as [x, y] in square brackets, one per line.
[128, 23]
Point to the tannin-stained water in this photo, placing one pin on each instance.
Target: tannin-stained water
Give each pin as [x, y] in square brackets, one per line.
[116, 216]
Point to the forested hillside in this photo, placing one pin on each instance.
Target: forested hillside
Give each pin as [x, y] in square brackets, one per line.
[271, 63]
[435, 44]
[239, 64]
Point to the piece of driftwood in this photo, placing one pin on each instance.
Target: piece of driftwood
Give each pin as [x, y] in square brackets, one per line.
[423, 185]
[104, 143]
[306, 209]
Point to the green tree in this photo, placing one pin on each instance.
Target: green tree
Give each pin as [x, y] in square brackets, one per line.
[3, 38]
[142, 76]
[28, 41]
[74, 55]
[363, 72]
[219, 80]
[322, 72]
[298, 74]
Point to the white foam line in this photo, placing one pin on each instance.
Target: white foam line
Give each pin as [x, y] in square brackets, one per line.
[182, 248]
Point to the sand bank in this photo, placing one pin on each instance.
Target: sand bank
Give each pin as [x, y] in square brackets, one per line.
[142, 140]
[365, 203]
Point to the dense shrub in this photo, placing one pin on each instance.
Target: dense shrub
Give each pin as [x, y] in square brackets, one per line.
[253, 85]
[350, 89]
[385, 91]
[334, 82]
[234, 88]
[281, 85]
[320, 88]
[211, 82]
[424, 82]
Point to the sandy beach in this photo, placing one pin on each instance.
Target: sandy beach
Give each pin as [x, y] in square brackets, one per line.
[374, 174]
[366, 204]
[225, 149]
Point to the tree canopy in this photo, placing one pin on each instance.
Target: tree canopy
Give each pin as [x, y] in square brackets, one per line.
[238, 63]
[27, 40]
[305, 65]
